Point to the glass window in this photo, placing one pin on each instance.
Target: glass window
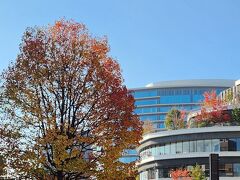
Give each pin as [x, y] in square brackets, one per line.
[165, 108]
[161, 125]
[186, 147]
[232, 145]
[200, 145]
[179, 148]
[161, 150]
[225, 170]
[197, 98]
[208, 145]
[223, 145]
[238, 144]
[215, 145]
[162, 117]
[173, 148]
[236, 169]
[149, 117]
[175, 99]
[146, 102]
[146, 110]
[193, 147]
[167, 149]
[146, 93]
[153, 150]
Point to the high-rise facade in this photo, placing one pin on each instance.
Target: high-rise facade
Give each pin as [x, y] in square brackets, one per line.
[156, 99]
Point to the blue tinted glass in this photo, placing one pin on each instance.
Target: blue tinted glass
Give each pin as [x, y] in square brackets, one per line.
[162, 117]
[197, 98]
[195, 107]
[161, 125]
[165, 108]
[175, 99]
[146, 110]
[146, 102]
[146, 93]
[149, 117]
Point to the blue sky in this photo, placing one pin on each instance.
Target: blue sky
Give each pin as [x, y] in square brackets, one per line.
[153, 40]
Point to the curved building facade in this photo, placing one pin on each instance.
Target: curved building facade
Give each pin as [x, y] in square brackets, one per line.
[162, 151]
[156, 99]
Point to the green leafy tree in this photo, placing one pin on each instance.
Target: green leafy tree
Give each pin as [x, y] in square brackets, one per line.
[175, 119]
[236, 115]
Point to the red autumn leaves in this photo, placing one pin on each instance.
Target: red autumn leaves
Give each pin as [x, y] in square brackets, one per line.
[213, 110]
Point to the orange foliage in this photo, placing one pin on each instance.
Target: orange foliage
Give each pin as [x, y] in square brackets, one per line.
[66, 94]
[180, 174]
[213, 110]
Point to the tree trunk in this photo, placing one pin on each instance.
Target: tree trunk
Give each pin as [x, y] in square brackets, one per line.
[59, 175]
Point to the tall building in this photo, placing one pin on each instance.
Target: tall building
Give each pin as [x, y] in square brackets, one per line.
[156, 99]
[164, 151]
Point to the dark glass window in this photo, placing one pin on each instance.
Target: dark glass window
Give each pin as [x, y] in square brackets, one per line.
[232, 144]
[225, 170]
[236, 169]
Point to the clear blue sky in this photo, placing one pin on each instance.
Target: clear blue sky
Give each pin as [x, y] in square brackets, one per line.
[153, 40]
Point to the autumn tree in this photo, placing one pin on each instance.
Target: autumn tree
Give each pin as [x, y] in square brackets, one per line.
[213, 110]
[66, 96]
[180, 174]
[175, 119]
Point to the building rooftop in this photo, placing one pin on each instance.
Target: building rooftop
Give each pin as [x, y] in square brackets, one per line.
[190, 83]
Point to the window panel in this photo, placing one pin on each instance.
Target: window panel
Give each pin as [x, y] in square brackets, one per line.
[149, 117]
[175, 99]
[193, 147]
[179, 147]
[146, 102]
[186, 147]
[200, 145]
[146, 93]
[215, 145]
[173, 148]
[167, 149]
[146, 110]
[208, 145]
[236, 169]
